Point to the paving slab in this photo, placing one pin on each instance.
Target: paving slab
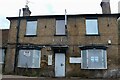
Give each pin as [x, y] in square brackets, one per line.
[16, 77]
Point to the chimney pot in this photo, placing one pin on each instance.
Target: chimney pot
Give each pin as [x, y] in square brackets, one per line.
[105, 0]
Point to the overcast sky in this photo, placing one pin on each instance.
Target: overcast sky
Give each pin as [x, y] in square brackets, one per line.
[10, 8]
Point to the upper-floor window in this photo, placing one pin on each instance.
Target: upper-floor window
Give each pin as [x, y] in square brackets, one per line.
[31, 28]
[94, 59]
[60, 27]
[92, 27]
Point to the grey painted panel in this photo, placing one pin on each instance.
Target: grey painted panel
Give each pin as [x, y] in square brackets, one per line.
[59, 65]
[29, 59]
[84, 59]
[36, 59]
[94, 59]
[31, 28]
[60, 27]
[91, 26]
[2, 55]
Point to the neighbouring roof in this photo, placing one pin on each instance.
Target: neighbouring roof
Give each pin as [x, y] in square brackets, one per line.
[82, 15]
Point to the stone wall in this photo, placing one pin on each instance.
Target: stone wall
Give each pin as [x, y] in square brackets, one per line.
[76, 36]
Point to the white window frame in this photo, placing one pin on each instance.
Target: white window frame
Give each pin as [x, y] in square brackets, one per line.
[89, 32]
[105, 61]
[33, 25]
[33, 58]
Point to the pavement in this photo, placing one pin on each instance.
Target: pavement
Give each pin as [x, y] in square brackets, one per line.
[16, 77]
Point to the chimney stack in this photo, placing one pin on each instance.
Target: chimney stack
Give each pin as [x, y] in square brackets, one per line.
[119, 7]
[26, 11]
[105, 5]
[119, 12]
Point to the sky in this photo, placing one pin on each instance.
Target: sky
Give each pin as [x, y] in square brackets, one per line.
[10, 8]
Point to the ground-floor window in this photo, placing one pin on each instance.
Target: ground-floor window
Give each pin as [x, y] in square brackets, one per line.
[94, 59]
[29, 58]
[2, 55]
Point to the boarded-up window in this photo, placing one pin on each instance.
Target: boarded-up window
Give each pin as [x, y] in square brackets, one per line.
[94, 59]
[60, 27]
[29, 58]
[2, 55]
[31, 28]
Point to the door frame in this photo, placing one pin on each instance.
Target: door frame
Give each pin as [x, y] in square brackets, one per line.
[59, 49]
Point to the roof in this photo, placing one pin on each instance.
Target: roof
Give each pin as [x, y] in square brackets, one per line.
[72, 15]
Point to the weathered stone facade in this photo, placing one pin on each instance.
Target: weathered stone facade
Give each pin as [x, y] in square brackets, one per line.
[75, 37]
[3, 44]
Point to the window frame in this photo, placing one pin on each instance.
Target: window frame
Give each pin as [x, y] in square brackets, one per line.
[105, 61]
[36, 26]
[92, 34]
[20, 66]
[59, 34]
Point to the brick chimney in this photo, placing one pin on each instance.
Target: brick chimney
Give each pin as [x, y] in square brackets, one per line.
[26, 11]
[105, 5]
